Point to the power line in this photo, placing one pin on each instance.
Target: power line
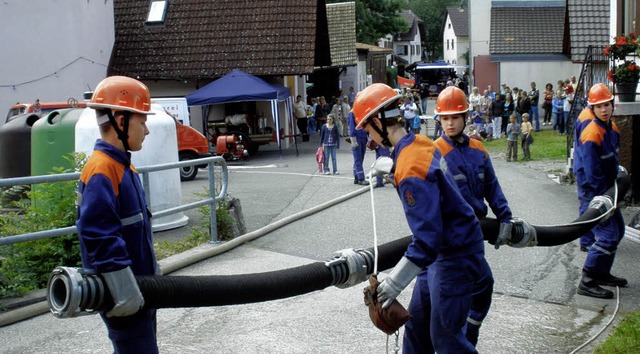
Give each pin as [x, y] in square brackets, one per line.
[54, 73]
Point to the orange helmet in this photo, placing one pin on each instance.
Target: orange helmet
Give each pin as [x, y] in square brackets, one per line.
[451, 100]
[599, 93]
[373, 98]
[121, 93]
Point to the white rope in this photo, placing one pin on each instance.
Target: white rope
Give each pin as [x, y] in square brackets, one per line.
[615, 205]
[605, 326]
[375, 229]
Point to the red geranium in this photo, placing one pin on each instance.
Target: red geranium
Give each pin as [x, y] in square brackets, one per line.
[622, 46]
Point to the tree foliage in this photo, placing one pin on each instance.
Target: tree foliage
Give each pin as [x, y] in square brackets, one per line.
[377, 18]
[433, 14]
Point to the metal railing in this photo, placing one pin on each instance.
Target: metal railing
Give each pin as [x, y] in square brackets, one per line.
[594, 70]
[145, 171]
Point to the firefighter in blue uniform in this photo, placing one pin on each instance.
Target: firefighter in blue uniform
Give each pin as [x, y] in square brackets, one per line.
[358, 149]
[471, 167]
[599, 93]
[596, 171]
[114, 223]
[447, 236]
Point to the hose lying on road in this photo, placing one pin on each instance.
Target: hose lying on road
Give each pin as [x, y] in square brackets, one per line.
[72, 291]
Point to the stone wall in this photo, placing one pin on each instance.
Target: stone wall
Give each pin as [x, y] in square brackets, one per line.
[627, 117]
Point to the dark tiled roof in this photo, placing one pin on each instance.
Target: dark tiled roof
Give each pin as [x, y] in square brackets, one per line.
[459, 20]
[588, 25]
[523, 30]
[208, 38]
[341, 19]
[414, 25]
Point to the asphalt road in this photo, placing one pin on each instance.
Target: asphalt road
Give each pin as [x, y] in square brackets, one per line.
[535, 307]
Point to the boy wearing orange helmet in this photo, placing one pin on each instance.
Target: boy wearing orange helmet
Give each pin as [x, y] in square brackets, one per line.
[114, 223]
[471, 167]
[596, 169]
[447, 237]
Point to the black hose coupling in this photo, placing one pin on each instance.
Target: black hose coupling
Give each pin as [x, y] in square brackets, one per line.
[523, 234]
[350, 267]
[74, 291]
[603, 204]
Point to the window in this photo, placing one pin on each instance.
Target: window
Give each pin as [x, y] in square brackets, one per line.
[157, 11]
[447, 44]
[402, 50]
[452, 43]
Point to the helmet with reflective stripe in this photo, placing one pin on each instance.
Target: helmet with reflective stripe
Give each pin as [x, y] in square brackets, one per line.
[599, 93]
[451, 100]
[371, 100]
[121, 93]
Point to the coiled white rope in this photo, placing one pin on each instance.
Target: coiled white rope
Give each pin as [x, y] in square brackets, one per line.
[605, 326]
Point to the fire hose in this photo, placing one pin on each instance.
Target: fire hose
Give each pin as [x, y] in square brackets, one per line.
[75, 291]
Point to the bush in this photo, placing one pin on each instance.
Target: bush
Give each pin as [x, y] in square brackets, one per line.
[27, 265]
[200, 233]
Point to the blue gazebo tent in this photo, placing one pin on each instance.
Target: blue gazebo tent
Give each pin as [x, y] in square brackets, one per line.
[238, 86]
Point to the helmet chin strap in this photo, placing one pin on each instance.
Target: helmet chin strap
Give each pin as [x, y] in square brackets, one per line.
[384, 134]
[123, 134]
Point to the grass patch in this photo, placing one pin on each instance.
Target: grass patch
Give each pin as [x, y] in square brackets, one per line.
[199, 233]
[547, 145]
[625, 338]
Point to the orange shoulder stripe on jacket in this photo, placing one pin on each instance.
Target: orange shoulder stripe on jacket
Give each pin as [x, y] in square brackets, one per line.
[593, 133]
[477, 144]
[586, 114]
[443, 146]
[415, 159]
[101, 163]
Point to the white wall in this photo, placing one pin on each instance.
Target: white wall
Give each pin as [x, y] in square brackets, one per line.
[479, 29]
[520, 74]
[52, 49]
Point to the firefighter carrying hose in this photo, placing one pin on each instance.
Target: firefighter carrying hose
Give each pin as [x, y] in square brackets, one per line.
[114, 223]
[596, 168]
[470, 165]
[447, 237]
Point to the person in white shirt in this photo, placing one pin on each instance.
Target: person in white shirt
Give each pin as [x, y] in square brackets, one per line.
[300, 111]
[409, 111]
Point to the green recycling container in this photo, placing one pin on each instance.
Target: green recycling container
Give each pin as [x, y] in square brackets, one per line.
[53, 139]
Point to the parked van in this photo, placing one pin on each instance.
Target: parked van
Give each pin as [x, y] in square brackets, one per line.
[42, 108]
[175, 107]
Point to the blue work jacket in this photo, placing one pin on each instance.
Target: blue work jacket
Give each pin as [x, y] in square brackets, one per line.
[597, 169]
[114, 222]
[444, 226]
[471, 168]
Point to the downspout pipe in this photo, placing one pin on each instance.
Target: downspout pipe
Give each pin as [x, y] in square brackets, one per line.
[74, 291]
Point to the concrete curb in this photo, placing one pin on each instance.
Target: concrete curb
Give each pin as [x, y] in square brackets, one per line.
[187, 258]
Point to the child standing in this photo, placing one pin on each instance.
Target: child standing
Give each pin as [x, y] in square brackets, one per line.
[527, 128]
[488, 129]
[513, 131]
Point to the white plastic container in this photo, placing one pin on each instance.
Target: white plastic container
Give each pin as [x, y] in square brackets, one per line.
[160, 146]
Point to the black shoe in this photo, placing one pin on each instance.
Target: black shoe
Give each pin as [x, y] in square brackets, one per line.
[355, 181]
[363, 183]
[594, 290]
[611, 280]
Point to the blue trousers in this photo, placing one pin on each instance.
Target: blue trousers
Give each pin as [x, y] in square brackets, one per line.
[608, 235]
[587, 239]
[133, 334]
[330, 151]
[358, 157]
[535, 117]
[442, 302]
